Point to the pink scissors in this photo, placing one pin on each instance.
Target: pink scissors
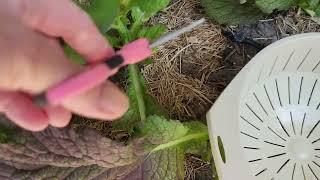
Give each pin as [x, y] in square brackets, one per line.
[96, 74]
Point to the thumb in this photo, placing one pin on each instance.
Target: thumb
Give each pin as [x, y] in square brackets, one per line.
[30, 61]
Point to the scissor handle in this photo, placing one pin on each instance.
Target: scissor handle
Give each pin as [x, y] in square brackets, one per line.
[96, 74]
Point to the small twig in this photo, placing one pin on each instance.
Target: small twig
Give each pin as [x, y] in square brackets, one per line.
[266, 20]
[262, 38]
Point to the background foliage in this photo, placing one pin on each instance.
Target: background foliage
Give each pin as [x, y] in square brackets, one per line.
[233, 12]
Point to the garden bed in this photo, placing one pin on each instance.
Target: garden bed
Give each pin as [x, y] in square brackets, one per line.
[185, 77]
[189, 73]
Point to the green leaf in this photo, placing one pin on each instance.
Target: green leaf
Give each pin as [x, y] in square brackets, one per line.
[158, 130]
[161, 133]
[312, 7]
[232, 12]
[114, 41]
[152, 33]
[52, 172]
[102, 12]
[149, 7]
[68, 149]
[317, 11]
[64, 154]
[311, 12]
[125, 3]
[313, 4]
[120, 25]
[124, 7]
[137, 14]
[203, 147]
[148, 61]
[268, 6]
[139, 30]
[142, 104]
[132, 117]
[163, 165]
[168, 141]
[137, 24]
[152, 107]
[139, 89]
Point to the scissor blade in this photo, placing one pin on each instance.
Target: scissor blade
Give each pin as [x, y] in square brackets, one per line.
[170, 36]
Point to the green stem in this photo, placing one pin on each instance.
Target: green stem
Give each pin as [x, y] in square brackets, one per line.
[201, 135]
[134, 73]
[136, 26]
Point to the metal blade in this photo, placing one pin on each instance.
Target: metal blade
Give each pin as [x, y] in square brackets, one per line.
[170, 36]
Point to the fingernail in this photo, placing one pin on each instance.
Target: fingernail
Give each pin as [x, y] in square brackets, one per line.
[113, 102]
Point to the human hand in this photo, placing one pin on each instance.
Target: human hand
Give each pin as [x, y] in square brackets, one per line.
[31, 60]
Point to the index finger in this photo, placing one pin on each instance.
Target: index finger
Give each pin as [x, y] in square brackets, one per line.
[65, 19]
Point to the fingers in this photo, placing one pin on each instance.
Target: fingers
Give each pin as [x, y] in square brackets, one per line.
[64, 19]
[105, 102]
[31, 62]
[20, 109]
[58, 116]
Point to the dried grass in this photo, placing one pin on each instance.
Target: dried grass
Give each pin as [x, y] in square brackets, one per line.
[179, 75]
[197, 169]
[296, 22]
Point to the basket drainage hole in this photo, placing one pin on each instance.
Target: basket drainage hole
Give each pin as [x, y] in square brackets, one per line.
[221, 150]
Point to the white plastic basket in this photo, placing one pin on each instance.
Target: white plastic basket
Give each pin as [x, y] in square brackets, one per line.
[268, 118]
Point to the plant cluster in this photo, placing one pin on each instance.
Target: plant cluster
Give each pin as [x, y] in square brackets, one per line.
[234, 12]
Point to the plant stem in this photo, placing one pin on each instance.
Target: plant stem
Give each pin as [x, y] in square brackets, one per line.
[133, 71]
[201, 135]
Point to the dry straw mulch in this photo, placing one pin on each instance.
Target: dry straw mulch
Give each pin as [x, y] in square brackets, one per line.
[178, 76]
